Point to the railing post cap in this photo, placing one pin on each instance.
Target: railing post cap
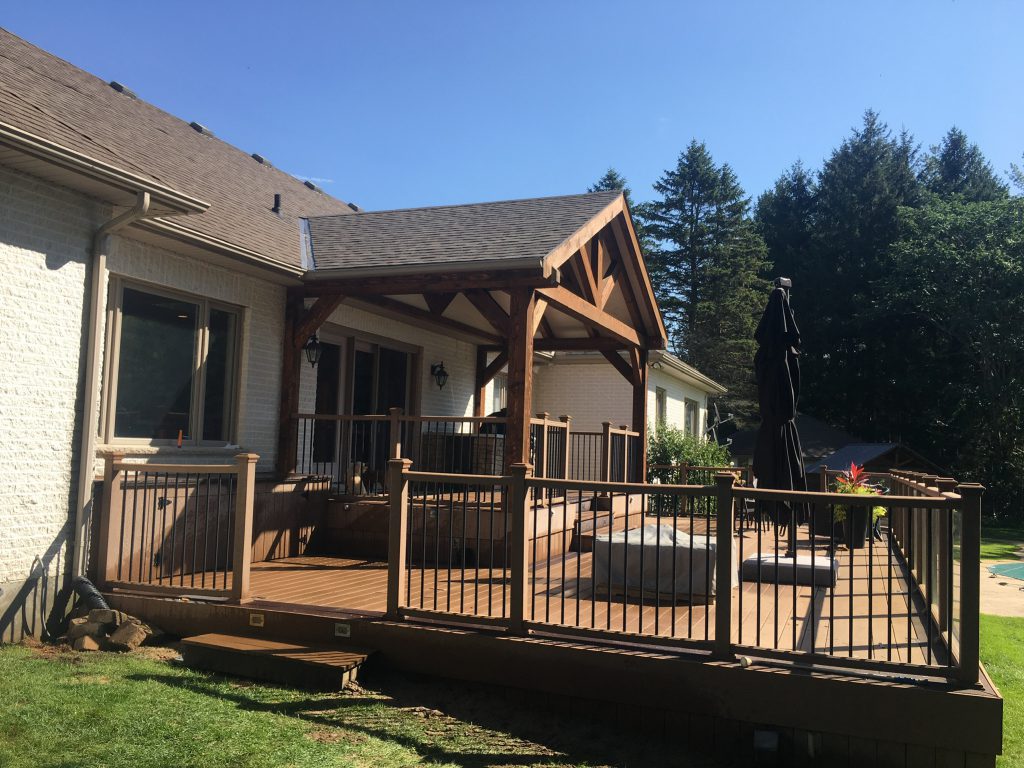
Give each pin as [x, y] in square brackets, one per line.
[725, 478]
[970, 489]
[395, 411]
[247, 458]
[520, 469]
[404, 463]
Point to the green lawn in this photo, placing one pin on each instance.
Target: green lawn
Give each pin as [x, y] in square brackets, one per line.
[61, 708]
[1000, 543]
[1002, 652]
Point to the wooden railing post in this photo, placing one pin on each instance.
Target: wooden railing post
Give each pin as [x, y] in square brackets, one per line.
[519, 568]
[395, 433]
[944, 563]
[244, 498]
[108, 554]
[540, 463]
[606, 451]
[723, 565]
[567, 420]
[970, 582]
[398, 534]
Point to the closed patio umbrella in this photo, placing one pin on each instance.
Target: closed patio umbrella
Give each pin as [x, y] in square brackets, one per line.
[778, 458]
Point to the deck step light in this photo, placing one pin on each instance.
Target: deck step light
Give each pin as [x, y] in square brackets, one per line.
[440, 374]
[313, 350]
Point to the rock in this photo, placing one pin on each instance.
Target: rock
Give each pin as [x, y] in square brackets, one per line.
[129, 635]
[76, 621]
[107, 616]
[86, 628]
[87, 643]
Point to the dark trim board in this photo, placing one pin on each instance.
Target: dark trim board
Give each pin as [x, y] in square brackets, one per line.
[936, 718]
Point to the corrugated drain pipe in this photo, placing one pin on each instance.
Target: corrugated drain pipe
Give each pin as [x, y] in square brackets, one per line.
[91, 398]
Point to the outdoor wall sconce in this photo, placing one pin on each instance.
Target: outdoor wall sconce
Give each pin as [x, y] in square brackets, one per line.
[313, 350]
[655, 365]
[440, 374]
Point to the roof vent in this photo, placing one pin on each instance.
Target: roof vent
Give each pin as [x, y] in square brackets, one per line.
[277, 204]
[122, 88]
[354, 207]
[200, 128]
[312, 186]
[261, 160]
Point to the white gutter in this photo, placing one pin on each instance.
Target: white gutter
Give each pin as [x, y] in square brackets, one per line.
[90, 412]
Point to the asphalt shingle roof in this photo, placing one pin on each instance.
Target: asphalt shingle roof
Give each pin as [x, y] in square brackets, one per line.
[46, 96]
[455, 234]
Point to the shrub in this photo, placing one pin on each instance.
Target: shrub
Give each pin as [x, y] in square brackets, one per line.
[668, 445]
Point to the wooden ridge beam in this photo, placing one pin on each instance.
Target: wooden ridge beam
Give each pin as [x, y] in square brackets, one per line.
[485, 304]
[568, 302]
[406, 311]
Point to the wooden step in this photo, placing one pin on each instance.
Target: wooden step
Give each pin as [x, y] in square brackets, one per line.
[305, 666]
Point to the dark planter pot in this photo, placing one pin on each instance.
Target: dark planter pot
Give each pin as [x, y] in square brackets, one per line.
[855, 526]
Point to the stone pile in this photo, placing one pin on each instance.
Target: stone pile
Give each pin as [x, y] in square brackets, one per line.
[104, 629]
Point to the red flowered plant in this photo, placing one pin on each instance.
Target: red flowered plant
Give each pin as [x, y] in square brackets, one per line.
[855, 480]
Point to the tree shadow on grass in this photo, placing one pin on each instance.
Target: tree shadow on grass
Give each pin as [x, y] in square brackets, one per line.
[472, 726]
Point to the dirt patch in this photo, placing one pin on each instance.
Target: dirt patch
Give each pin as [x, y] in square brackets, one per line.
[328, 736]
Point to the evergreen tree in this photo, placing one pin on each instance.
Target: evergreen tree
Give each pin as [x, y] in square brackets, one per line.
[957, 167]
[612, 179]
[785, 219]
[710, 263]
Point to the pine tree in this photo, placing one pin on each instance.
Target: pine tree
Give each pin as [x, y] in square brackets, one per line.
[957, 167]
[710, 262]
[785, 219]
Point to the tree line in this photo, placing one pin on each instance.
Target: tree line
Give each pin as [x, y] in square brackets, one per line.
[908, 286]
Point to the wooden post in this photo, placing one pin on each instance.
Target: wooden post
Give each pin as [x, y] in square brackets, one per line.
[480, 390]
[640, 412]
[970, 582]
[606, 450]
[723, 565]
[522, 307]
[242, 552]
[291, 366]
[398, 534]
[567, 420]
[944, 563]
[109, 530]
[540, 450]
[395, 433]
[519, 567]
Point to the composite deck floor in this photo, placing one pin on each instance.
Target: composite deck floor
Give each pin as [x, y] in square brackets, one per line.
[866, 615]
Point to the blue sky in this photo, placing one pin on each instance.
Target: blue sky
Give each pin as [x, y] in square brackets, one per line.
[422, 103]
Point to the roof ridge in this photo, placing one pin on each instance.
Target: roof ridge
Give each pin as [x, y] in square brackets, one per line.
[479, 203]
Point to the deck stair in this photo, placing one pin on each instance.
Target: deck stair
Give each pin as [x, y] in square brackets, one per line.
[321, 667]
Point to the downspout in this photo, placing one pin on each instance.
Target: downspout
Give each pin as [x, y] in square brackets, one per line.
[91, 404]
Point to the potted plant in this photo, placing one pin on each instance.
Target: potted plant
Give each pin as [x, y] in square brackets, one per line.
[854, 518]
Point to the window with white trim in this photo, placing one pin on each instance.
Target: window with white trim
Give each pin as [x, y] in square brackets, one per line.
[660, 406]
[172, 367]
[499, 393]
[691, 416]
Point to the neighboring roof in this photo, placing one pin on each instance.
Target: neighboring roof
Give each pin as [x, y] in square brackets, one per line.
[855, 453]
[509, 233]
[817, 438]
[680, 370]
[48, 98]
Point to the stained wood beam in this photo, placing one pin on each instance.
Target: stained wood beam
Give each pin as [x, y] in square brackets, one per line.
[439, 302]
[492, 311]
[583, 269]
[291, 360]
[439, 282]
[636, 272]
[640, 406]
[568, 302]
[588, 344]
[522, 306]
[493, 368]
[446, 323]
[314, 317]
[538, 315]
[620, 365]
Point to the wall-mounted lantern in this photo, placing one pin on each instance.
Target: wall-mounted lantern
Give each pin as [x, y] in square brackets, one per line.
[440, 374]
[313, 350]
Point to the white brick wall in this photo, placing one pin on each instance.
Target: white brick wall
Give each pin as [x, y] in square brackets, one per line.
[45, 236]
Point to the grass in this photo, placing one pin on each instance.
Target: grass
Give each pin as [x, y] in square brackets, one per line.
[62, 708]
[1001, 543]
[1002, 652]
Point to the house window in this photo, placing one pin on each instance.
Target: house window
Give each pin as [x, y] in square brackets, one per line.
[691, 416]
[660, 406]
[174, 360]
[499, 393]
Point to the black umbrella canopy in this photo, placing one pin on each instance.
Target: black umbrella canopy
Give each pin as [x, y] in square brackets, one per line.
[778, 458]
